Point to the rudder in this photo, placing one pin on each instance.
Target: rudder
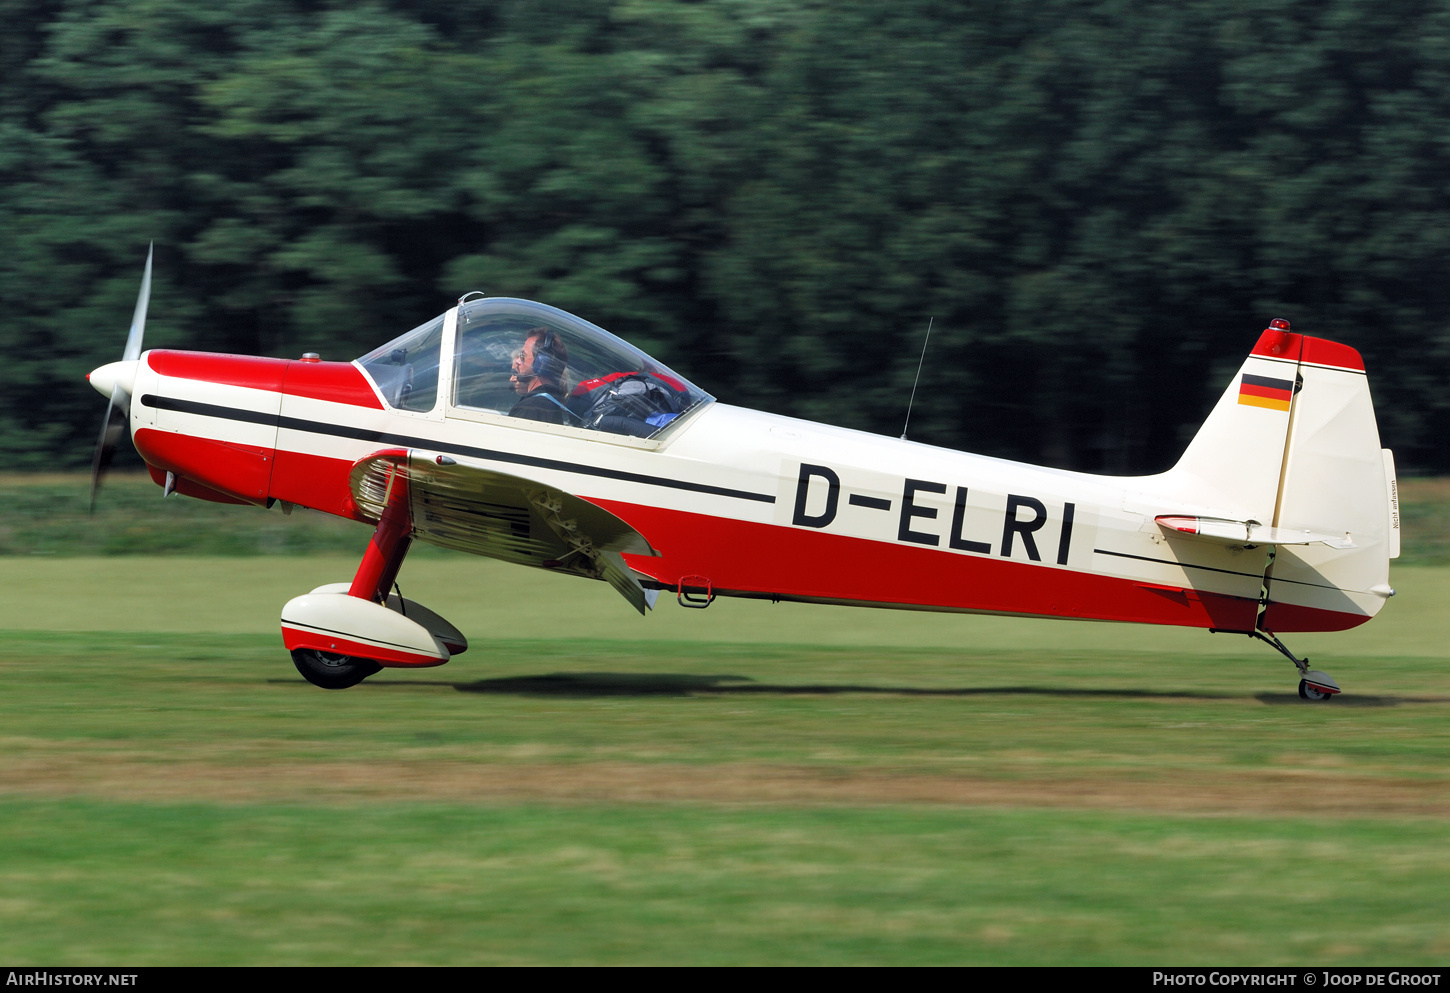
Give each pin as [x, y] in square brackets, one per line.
[1336, 479]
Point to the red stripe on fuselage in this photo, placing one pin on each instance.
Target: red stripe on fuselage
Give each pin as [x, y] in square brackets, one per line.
[748, 557]
[335, 382]
[1286, 618]
[191, 488]
[315, 481]
[743, 556]
[239, 471]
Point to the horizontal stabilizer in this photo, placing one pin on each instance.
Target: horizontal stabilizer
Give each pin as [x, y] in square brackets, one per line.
[1246, 532]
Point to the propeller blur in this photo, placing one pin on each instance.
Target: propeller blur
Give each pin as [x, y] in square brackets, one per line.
[114, 382]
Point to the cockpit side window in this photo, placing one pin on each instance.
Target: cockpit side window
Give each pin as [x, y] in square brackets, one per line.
[406, 368]
[487, 350]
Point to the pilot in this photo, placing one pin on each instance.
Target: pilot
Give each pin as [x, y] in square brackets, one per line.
[538, 375]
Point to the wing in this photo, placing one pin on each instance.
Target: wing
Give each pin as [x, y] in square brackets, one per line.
[486, 512]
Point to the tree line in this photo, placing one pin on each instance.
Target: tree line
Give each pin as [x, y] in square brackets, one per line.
[1096, 204]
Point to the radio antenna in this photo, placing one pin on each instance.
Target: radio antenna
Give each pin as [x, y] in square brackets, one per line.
[917, 379]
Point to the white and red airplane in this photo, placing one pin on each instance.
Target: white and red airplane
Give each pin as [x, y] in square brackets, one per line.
[518, 431]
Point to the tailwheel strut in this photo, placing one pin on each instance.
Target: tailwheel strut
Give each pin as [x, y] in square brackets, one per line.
[1313, 684]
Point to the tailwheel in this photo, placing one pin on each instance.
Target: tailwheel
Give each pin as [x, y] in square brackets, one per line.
[330, 670]
[1317, 685]
[1313, 684]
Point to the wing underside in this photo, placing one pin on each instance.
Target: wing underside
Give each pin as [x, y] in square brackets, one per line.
[480, 510]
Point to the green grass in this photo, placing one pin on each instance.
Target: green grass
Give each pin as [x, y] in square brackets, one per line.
[753, 783]
[523, 884]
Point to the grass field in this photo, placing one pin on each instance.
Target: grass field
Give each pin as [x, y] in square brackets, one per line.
[747, 784]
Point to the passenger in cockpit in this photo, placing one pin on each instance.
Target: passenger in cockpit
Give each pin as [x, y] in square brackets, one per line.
[538, 376]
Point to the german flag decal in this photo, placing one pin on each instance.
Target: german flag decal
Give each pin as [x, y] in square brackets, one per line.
[1262, 391]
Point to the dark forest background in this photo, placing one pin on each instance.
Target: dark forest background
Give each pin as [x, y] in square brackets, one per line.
[1100, 204]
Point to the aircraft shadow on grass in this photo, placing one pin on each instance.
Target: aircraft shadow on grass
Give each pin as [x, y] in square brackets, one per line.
[585, 685]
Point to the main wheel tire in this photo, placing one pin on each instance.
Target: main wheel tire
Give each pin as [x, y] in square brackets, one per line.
[332, 671]
[1310, 693]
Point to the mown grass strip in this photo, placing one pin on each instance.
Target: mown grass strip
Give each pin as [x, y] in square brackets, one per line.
[86, 882]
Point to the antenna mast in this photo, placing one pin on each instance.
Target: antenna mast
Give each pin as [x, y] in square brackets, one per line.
[917, 379]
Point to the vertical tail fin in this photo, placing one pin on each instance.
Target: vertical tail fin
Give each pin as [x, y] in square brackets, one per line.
[1293, 443]
[1236, 460]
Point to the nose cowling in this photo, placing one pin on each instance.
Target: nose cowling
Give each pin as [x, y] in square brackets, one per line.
[225, 453]
[107, 377]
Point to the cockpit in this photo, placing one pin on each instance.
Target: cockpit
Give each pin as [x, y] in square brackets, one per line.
[532, 362]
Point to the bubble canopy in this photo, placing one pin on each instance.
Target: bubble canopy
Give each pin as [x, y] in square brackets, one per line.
[532, 361]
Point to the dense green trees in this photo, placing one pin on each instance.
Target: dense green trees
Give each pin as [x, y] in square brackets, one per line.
[1098, 203]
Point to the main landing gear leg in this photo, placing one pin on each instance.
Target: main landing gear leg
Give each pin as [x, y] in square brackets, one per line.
[393, 536]
[1313, 684]
[341, 633]
[376, 575]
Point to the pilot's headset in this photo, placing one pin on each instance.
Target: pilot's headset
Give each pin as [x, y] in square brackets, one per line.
[549, 355]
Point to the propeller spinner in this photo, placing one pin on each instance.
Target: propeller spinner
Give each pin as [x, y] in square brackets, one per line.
[114, 380]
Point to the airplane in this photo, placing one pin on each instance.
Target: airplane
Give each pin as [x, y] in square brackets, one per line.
[515, 430]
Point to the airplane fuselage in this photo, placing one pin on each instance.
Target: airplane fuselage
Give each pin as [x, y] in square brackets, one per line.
[748, 503]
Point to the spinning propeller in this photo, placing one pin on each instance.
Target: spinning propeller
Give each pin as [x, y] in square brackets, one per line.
[114, 380]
